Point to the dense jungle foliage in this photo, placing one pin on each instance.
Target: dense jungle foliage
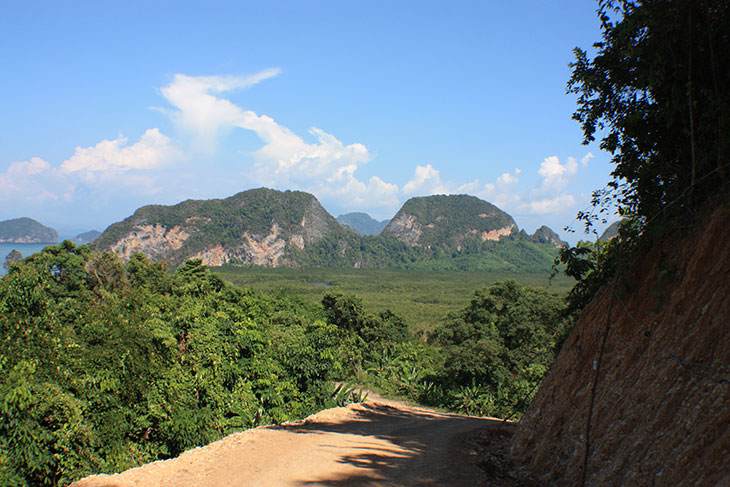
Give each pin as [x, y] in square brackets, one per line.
[518, 252]
[105, 365]
[657, 92]
[422, 298]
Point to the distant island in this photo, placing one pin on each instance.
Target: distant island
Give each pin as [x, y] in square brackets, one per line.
[26, 230]
[87, 237]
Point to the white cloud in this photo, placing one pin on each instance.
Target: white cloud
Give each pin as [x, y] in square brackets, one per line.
[555, 175]
[34, 166]
[201, 113]
[97, 173]
[153, 150]
[426, 181]
[329, 168]
[550, 205]
[28, 180]
[326, 167]
[548, 196]
[507, 178]
[586, 159]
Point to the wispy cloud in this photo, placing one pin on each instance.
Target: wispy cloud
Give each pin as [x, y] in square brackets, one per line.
[586, 159]
[202, 114]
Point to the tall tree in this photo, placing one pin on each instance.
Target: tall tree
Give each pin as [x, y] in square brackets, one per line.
[657, 92]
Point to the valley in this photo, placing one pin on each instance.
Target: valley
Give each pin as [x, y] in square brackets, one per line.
[422, 298]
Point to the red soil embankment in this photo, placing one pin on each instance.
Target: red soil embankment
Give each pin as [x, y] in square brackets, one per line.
[654, 363]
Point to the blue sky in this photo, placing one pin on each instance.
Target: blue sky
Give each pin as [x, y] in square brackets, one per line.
[108, 106]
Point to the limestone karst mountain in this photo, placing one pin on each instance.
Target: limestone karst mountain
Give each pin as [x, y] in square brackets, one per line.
[292, 229]
[448, 220]
[259, 226]
[548, 235]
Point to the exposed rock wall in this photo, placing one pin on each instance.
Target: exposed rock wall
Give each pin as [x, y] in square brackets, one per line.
[405, 228]
[155, 241]
[653, 421]
[160, 243]
[494, 234]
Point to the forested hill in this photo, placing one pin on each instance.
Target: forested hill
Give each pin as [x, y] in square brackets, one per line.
[447, 220]
[259, 226]
[291, 228]
[26, 230]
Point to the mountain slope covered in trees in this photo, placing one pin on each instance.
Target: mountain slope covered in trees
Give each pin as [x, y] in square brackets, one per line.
[274, 228]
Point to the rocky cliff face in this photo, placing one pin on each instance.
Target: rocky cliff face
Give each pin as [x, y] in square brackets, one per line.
[640, 393]
[546, 234]
[155, 241]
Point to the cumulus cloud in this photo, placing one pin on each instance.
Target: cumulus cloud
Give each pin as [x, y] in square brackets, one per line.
[34, 166]
[28, 180]
[426, 181]
[153, 150]
[549, 195]
[507, 178]
[96, 173]
[555, 175]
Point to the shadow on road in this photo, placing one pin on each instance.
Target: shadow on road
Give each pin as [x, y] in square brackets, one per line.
[405, 447]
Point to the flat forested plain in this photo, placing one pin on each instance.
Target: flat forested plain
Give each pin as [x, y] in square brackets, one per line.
[422, 298]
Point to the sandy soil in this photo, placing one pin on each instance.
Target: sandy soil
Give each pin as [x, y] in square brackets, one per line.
[378, 443]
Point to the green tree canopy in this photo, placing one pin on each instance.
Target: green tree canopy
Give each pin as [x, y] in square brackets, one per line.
[657, 92]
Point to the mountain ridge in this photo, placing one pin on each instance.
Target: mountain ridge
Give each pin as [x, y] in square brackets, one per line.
[362, 223]
[292, 229]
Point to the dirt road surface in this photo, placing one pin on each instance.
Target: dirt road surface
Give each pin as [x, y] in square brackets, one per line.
[379, 443]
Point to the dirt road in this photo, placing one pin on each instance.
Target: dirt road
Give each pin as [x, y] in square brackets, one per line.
[378, 443]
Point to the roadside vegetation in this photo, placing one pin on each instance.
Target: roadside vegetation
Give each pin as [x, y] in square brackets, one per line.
[105, 365]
